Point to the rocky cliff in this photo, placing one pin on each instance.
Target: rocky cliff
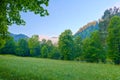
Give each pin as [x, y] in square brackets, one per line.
[86, 30]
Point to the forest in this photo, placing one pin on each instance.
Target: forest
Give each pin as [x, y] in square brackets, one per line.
[92, 53]
[102, 45]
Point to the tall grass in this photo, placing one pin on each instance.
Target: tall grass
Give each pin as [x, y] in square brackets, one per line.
[26, 68]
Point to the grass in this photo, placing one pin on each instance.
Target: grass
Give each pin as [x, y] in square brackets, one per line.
[26, 68]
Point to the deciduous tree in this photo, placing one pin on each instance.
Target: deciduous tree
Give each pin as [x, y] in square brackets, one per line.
[92, 49]
[9, 47]
[10, 13]
[66, 45]
[78, 46]
[34, 45]
[22, 48]
[113, 39]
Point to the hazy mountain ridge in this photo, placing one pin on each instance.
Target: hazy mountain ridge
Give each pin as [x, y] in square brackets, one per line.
[18, 36]
[53, 39]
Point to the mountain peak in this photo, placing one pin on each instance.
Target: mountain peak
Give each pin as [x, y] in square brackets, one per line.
[18, 36]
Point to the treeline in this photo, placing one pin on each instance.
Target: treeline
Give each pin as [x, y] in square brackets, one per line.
[31, 47]
[74, 48]
[68, 48]
[101, 46]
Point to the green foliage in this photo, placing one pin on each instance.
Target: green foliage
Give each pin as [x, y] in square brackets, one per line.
[31, 47]
[2, 42]
[113, 39]
[9, 47]
[92, 49]
[55, 53]
[22, 48]
[103, 24]
[66, 45]
[86, 50]
[34, 45]
[78, 46]
[10, 12]
[103, 31]
[50, 47]
[44, 52]
[109, 13]
[26, 68]
[48, 50]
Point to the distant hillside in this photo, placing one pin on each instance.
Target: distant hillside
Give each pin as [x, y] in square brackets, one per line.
[18, 36]
[86, 30]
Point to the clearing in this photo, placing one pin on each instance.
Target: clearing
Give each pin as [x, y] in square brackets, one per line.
[27, 68]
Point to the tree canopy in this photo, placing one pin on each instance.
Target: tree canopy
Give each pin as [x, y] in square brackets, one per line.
[113, 39]
[92, 49]
[66, 45]
[10, 12]
[34, 45]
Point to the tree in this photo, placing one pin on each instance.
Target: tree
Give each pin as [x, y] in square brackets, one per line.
[104, 22]
[86, 49]
[55, 53]
[48, 50]
[107, 14]
[10, 12]
[34, 45]
[44, 51]
[9, 47]
[49, 45]
[99, 49]
[78, 46]
[2, 42]
[113, 39]
[22, 48]
[66, 45]
[92, 49]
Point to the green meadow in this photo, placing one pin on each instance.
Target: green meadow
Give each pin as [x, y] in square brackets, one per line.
[27, 68]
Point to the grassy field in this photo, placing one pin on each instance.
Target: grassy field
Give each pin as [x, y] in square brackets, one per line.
[26, 68]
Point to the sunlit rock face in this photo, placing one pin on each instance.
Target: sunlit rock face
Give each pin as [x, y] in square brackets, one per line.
[86, 30]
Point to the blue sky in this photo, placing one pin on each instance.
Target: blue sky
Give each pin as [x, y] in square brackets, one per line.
[64, 14]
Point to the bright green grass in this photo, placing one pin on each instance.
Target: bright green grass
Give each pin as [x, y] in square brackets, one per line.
[26, 68]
